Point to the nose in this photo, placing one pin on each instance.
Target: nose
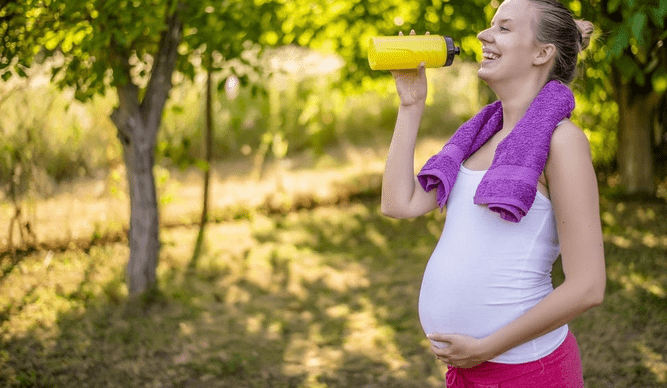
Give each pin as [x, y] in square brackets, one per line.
[484, 36]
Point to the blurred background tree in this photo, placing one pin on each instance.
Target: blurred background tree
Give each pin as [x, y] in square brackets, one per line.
[131, 48]
[630, 56]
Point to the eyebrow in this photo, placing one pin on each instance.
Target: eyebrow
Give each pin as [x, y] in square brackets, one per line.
[503, 21]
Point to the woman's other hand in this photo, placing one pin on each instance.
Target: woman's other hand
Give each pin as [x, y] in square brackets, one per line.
[461, 351]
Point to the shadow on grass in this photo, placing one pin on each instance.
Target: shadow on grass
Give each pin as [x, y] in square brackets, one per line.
[320, 297]
[161, 340]
[312, 298]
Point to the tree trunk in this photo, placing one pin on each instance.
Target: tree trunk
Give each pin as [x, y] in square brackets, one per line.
[138, 124]
[208, 145]
[635, 148]
[144, 240]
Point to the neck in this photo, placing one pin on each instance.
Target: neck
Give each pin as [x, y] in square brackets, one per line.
[516, 98]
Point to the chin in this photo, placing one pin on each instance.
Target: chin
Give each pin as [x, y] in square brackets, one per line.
[493, 75]
[484, 75]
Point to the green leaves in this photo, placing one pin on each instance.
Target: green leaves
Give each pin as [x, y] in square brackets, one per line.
[102, 34]
[619, 41]
[658, 14]
[613, 5]
[638, 26]
[630, 36]
[659, 81]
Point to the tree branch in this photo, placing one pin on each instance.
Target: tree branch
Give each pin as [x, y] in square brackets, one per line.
[159, 85]
[125, 115]
[128, 98]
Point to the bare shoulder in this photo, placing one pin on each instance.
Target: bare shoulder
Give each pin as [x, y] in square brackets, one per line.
[569, 148]
[570, 172]
[568, 141]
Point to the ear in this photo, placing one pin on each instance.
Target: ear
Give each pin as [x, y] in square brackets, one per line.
[544, 54]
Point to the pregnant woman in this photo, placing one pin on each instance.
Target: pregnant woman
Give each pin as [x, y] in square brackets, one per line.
[519, 187]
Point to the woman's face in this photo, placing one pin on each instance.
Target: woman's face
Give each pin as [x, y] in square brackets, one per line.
[509, 44]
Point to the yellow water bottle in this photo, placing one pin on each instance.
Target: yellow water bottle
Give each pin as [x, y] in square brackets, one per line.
[408, 51]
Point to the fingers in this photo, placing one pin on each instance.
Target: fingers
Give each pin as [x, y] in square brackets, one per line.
[422, 69]
[412, 32]
[450, 360]
[444, 355]
[447, 361]
[441, 354]
[438, 336]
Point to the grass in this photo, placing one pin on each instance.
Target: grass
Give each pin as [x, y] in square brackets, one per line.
[307, 289]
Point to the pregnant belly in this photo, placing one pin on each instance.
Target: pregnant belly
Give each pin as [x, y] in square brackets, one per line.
[475, 300]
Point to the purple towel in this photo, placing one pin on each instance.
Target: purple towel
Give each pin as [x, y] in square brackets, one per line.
[510, 185]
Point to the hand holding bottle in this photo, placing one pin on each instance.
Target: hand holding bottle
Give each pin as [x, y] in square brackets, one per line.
[411, 84]
[407, 52]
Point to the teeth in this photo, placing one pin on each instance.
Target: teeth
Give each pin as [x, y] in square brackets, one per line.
[491, 56]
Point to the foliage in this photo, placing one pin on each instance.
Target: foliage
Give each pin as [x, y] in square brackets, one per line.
[93, 35]
[633, 60]
[630, 41]
[632, 38]
[108, 43]
[65, 142]
[298, 103]
[597, 114]
[48, 137]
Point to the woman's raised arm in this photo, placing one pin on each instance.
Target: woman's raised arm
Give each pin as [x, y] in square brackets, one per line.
[402, 195]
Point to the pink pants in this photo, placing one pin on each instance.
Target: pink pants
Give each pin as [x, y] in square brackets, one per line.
[560, 369]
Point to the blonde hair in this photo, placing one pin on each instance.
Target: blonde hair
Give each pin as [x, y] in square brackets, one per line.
[557, 26]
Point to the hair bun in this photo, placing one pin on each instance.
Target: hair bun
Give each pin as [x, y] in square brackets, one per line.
[586, 29]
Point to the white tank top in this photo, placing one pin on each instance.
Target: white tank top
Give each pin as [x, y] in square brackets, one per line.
[485, 272]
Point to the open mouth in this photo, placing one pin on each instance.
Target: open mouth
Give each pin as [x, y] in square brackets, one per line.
[490, 56]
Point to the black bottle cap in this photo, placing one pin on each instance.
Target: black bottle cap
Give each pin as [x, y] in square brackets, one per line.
[452, 50]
